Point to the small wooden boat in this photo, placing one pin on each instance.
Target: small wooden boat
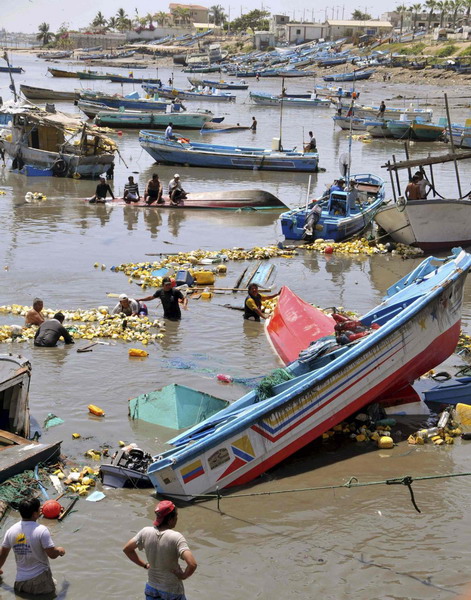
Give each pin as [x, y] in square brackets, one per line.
[51, 55]
[270, 100]
[18, 454]
[353, 76]
[152, 120]
[211, 69]
[350, 123]
[131, 102]
[415, 328]
[15, 377]
[62, 73]
[180, 152]
[35, 93]
[294, 324]
[426, 132]
[219, 85]
[94, 75]
[223, 199]
[129, 79]
[405, 114]
[336, 218]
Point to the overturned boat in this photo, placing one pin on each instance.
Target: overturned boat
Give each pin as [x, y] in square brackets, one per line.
[414, 329]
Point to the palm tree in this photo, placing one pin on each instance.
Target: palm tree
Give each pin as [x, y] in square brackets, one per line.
[162, 18]
[149, 19]
[123, 20]
[112, 23]
[431, 5]
[442, 6]
[467, 6]
[217, 15]
[401, 10]
[99, 20]
[455, 7]
[181, 15]
[44, 35]
[416, 9]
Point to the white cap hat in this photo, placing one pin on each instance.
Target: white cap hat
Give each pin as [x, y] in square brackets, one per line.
[176, 175]
[123, 297]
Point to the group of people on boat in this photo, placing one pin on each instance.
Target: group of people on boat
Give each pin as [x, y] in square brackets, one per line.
[153, 192]
[417, 186]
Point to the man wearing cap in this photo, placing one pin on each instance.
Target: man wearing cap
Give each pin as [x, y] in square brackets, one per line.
[163, 548]
[175, 190]
[339, 185]
[170, 298]
[102, 189]
[127, 306]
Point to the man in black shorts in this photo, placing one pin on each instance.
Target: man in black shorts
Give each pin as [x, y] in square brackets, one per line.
[171, 299]
[153, 191]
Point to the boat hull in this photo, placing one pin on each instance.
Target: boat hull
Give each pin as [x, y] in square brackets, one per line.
[153, 120]
[35, 93]
[224, 157]
[429, 224]
[420, 337]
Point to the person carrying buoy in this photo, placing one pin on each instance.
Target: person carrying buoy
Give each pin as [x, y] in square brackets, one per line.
[253, 303]
[32, 546]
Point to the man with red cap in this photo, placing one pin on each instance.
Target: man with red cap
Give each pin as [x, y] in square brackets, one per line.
[163, 548]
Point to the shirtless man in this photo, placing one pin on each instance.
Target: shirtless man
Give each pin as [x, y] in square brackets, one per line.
[153, 191]
[34, 316]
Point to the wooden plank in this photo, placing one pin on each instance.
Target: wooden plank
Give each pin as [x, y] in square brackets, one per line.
[430, 160]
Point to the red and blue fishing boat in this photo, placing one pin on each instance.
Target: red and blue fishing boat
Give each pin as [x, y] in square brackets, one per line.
[415, 328]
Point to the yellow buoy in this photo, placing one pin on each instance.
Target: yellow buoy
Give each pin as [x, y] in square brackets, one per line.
[385, 442]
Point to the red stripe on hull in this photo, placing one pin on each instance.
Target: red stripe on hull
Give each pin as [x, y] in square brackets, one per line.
[441, 348]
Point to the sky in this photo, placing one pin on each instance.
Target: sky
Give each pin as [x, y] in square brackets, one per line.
[27, 15]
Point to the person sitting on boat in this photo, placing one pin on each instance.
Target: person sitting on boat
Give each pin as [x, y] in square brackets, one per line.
[126, 306]
[253, 127]
[153, 191]
[175, 191]
[253, 303]
[338, 185]
[413, 189]
[131, 191]
[102, 189]
[51, 331]
[169, 132]
[423, 184]
[35, 316]
[311, 146]
[353, 193]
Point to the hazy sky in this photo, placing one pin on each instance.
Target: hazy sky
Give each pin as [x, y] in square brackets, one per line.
[26, 15]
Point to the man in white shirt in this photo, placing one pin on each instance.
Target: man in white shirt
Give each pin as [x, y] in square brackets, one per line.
[175, 191]
[169, 132]
[33, 546]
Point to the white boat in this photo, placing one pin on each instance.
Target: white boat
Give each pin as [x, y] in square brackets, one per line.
[415, 327]
[431, 223]
[409, 113]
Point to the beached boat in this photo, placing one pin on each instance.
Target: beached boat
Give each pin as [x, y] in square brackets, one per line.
[221, 199]
[35, 93]
[353, 76]
[416, 327]
[378, 129]
[209, 69]
[295, 324]
[62, 73]
[432, 223]
[426, 132]
[270, 100]
[332, 216]
[51, 55]
[335, 92]
[461, 135]
[45, 143]
[94, 75]
[152, 120]
[204, 95]
[350, 123]
[194, 154]
[212, 127]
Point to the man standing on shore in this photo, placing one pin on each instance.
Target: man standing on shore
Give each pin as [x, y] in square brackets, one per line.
[33, 546]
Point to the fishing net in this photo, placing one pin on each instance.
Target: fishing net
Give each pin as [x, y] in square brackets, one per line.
[265, 387]
[19, 487]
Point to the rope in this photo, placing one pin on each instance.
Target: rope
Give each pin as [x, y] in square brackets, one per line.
[353, 482]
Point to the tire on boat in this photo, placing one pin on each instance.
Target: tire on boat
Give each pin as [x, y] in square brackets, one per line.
[60, 168]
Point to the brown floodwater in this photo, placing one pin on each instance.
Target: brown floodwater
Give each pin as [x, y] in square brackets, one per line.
[336, 543]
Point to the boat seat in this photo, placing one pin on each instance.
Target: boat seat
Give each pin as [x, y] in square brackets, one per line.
[337, 203]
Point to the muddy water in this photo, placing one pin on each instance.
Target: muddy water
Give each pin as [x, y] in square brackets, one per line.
[335, 544]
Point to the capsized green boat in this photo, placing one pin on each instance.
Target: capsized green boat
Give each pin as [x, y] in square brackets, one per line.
[175, 406]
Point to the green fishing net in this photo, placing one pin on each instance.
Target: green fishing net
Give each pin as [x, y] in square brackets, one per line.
[265, 387]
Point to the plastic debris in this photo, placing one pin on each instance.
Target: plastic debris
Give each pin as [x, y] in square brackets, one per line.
[51, 421]
[95, 497]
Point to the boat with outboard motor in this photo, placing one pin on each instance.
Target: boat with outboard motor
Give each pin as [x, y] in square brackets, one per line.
[415, 328]
[180, 151]
[337, 215]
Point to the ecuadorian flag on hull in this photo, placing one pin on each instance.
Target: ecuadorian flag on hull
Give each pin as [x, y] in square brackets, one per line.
[243, 452]
[192, 471]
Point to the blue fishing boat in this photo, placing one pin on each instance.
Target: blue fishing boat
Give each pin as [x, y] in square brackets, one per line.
[353, 76]
[202, 95]
[180, 151]
[415, 328]
[337, 215]
[218, 85]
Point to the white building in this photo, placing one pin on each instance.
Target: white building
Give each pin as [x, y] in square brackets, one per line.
[340, 29]
[298, 33]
